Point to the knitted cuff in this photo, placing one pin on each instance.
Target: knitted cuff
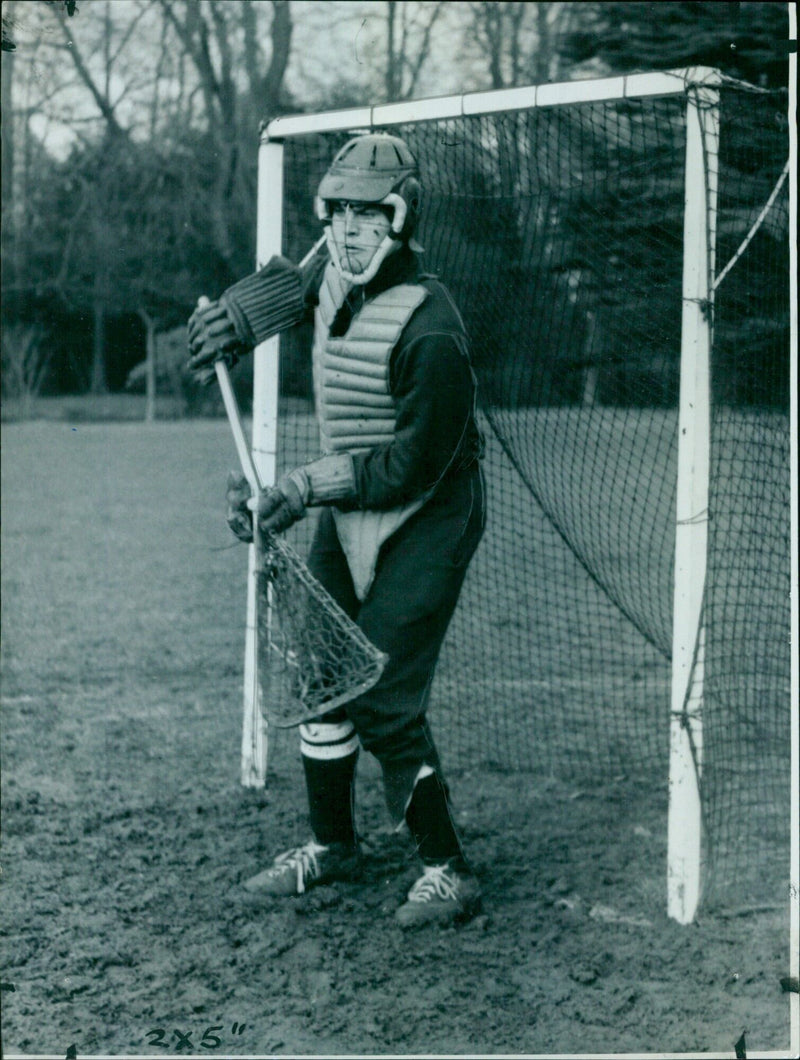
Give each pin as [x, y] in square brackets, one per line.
[330, 479]
[265, 302]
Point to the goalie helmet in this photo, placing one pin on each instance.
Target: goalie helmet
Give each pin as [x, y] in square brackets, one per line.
[377, 169]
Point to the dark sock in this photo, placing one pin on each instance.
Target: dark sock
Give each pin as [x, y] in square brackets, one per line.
[330, 785]
[428, 817]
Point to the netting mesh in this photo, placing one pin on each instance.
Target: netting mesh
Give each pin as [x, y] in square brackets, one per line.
[747, 695]
[559, 232]
[311, 656]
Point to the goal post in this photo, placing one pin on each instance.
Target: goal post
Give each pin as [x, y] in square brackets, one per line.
[684, 843]
[576, 225]
[264, 450]
[794, 381]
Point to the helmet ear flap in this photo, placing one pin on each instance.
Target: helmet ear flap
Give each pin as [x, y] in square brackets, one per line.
[322, 210]
[411, 192]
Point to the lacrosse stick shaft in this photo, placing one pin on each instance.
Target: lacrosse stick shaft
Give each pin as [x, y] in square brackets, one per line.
[254, 728]
[237, 427]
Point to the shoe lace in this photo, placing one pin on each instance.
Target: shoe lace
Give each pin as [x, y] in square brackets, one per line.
[302, 860]
[436, 881]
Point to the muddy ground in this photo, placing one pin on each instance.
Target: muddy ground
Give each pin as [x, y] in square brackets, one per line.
[126, 834]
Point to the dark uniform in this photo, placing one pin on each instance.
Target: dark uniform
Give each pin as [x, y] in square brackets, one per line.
[395, 400]
[435, 453]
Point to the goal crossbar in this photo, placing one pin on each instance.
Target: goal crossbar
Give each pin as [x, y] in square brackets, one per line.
[473, 104]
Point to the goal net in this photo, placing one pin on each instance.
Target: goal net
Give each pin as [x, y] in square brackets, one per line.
[556, 218]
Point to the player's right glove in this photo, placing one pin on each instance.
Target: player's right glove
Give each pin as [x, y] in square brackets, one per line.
[212, 337]
[247, 313]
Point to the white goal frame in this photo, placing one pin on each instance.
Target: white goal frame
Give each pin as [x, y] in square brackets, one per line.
[702, 123]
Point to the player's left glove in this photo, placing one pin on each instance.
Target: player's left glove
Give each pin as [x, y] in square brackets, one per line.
[239, 516]
[329, 480]
[280, 506]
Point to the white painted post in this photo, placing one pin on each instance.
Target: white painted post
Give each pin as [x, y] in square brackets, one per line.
[684, 831]
[264, 448]
[794, 885]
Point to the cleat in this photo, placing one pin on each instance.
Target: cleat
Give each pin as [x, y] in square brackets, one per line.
[440, 896]
[295, 871]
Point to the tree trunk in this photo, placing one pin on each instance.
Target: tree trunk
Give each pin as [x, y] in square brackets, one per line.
[150, 367]
[591, 376]
[10, 225]
[391, 56]
[99, 345]
[281, 35]
[7, 133]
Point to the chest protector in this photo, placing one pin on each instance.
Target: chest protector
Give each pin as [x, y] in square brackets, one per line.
[354, 404]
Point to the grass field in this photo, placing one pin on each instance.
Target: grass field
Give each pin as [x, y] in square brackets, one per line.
[125, 833]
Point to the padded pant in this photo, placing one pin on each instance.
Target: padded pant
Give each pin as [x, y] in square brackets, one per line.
[419, 575]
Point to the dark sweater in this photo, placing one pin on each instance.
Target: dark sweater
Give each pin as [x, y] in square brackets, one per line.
[430, 376]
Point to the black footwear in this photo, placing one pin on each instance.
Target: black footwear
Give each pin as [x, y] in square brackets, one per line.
[440, 896]
[307, 866]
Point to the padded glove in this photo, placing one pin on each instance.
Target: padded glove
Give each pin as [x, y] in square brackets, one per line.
[281, 505]
[212, 337]
[329, 480]
[239, 515]
[250, 311]
[325, 481]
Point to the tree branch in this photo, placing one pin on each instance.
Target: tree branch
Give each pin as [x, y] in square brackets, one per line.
[103, 103]
[281, 35]
[134, 22]
[252, 49]
[416, 67]
[226, 88]
[197, 50]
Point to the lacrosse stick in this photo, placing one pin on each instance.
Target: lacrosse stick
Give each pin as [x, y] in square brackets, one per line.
[312, 657]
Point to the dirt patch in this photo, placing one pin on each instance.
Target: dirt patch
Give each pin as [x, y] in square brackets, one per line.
[128, 928]
[126, 834]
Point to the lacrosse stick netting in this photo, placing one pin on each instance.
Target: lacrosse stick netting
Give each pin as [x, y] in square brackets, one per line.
[311, 657]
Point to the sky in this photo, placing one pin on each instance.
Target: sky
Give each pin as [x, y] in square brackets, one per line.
[334, 42]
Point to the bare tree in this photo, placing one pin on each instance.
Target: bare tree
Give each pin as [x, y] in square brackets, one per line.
[265, 81]
[520, 42]
[409, 29]
[97, 229]
[497, 28]
[8, 146]
[192, 78]
[222, 40]
[554, 22]
[26, 358]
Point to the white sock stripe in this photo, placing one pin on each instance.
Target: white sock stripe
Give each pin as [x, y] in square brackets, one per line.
[326, 732]
[327, 752]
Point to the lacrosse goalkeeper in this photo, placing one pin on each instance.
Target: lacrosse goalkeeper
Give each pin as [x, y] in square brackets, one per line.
[401, 493]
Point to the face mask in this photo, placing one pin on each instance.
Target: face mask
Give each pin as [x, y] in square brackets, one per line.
[361, 236]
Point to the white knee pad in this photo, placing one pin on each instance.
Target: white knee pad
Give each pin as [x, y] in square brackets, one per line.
[328, 740]
[424, 771]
